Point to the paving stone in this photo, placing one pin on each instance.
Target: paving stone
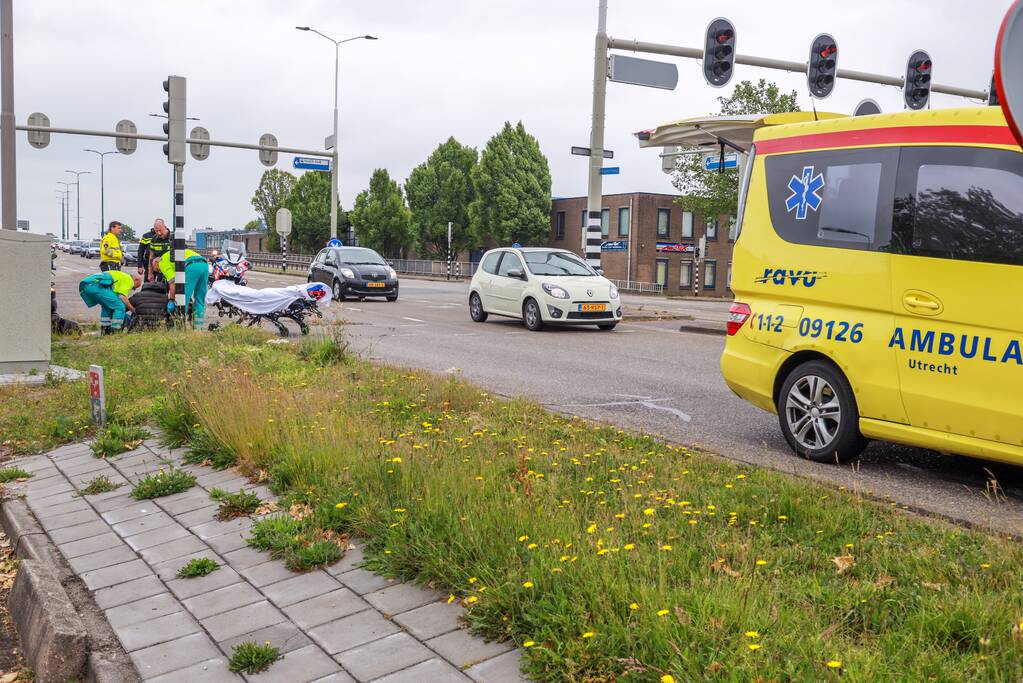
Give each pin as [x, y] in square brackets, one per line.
[86, 546]
[209, 671]
[174, 655]
[244, 558]
[68, 519]
[138, 525]
[79, 531]
[61, 493]
[227, 542]
[351, 560]
[143, 610]
[196, 517]
[506, 668]
[187, 588]
[284, 635]
[179, 547]
[148, 539]
[461, 648]
[118, 502]
[216, 528]
[97, 465]
[432, 670]
[401, 598]
[325, 608]
[266, 573]
[338, 677]
[169, 569]
[299, 588]
[300, 666]
[384, 656]
[430, 621]
[104, 558]
[242, 620]
[133, 511]
[129, 591]
[222, 600]
[364, 581]
[225, 479]
[352, 631]
[113, 575]
[184, 502]
[154, 631]
[48, 511]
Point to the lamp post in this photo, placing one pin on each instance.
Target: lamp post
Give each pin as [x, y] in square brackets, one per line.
[102, 190]
[334, 156]
[65, 231]
[78, 201]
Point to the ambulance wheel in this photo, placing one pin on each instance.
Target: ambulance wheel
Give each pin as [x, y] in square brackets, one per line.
[818, 414]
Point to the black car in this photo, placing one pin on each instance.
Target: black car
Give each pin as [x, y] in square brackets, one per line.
[355, 272]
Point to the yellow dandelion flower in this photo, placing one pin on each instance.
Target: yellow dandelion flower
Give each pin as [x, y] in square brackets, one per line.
[752, 634]
[633, 605]
[603, 551]
[834, 664]
[531, 546]
[528, 643]
[473, 579]
[761, 563]
[629, 546]
[395, 459]
[471, 599]
[591, 529]
[985, 565]
[649, 511]
[647, 525]
[662, 612]
[588, 634]
[754, 646]
[665, 547]
[341, 505]
[527, 584]
[667, 678]
[523, 538]
[451, 599]
[399, 509]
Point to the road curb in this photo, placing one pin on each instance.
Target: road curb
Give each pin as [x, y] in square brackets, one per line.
[715, 329]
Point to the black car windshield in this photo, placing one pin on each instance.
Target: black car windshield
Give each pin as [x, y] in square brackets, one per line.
[556, 263]
[360, 257]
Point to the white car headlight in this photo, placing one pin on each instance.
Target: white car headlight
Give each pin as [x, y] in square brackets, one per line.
[348, 273]
[392, 272]
[614, 292]
[555, 291]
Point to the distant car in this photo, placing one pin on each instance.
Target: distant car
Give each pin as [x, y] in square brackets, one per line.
[355, 272]
[91, 249]
[78, 247]
[130, 253]
[543, 287]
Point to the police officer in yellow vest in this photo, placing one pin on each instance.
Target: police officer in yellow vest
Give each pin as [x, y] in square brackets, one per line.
[110, 256]
[196, 280]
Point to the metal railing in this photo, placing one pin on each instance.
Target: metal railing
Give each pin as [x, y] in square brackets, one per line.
[641, 287]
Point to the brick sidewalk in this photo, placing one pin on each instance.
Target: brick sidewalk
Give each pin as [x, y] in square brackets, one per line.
[340, 624]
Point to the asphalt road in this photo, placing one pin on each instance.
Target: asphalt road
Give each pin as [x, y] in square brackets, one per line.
[646, 375]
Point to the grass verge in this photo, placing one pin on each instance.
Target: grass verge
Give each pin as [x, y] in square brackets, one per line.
[252, 658]
[234, 505]
[100, 484]
[9, 474]
[117, 438]
[608, 555]
[196, 567]
[163, 483]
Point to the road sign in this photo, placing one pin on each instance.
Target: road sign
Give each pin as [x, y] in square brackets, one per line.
[610, 170]
[97, 395]
[616, 245]
[334, 243]
[645, 72]
[39, 138]
[199, 151]
[126, 145]
[22, 224]
[867, 107]
[1009, 69]
[585, 152]
[311, 163]
[328, 142]
[268, 157]
[283, 222]
[712, 161]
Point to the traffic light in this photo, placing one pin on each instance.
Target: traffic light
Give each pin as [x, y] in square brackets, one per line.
[719, 53]
[175, 126]
[917, 87]
[823, 65]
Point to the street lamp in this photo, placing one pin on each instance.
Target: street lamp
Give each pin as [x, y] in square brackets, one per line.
[78, 201]
[65, 231]
[334, 158]
[102, 190]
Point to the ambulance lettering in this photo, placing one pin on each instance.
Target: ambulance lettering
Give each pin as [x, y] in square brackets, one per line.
[964, 346]
[782, 276]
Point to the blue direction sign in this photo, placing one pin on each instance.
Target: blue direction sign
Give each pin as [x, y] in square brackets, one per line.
[311, 163]
[610, 170]
[335, 243]
[712, 162]
[617, 245]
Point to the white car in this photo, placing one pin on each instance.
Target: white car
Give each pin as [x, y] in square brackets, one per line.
[542, 287]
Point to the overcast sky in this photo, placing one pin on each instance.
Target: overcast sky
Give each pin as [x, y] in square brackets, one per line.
[440, 68]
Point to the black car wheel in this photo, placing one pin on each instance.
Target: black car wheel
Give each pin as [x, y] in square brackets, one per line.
[531, 316]
[818, 414]
[338, 296]
[476, 311]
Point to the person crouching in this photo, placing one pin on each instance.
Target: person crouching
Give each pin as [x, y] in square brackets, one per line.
[196, 280]
[109, 291]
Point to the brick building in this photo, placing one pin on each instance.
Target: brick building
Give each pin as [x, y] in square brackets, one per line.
[649, 238]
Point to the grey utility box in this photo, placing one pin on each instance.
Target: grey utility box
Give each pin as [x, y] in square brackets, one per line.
[24, 303]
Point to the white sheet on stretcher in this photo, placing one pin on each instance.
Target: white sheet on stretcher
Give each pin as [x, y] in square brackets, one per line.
[263, 301]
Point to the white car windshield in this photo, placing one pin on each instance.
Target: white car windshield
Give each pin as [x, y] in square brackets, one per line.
[556, 263]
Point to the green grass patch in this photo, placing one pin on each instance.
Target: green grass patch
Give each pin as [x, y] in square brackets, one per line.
[252, 658]
[234, 504]
[100, 484]
[117, 438]
[9, 474]
[163, 483]
[196, 567]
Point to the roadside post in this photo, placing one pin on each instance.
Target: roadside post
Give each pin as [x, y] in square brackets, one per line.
[97, 396]
[284, 229]
[449, 250]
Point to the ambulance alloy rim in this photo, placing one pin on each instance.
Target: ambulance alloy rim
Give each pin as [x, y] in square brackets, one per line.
[813, 412]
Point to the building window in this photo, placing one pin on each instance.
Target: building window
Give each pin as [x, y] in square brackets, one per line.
[582, 220]
[605, 222]
[733, 226]
[663, 222]
[661, 272]
[559, 225]
[624, 218]
[687, 224]
[685, 279]
[729, 275]
[710, 274]
[712, 228]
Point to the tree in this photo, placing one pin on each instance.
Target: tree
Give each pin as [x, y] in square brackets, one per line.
[309, 203]
[255, 225]
[275, 187]
[512, 184]
[711, 193]
[380, 217]
[440, 190]
[127, 233]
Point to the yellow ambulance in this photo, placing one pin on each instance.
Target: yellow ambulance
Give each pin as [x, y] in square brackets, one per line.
[878, 280]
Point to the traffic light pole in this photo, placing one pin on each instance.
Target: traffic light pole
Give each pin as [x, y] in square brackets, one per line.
[591, 236]
[179, 236]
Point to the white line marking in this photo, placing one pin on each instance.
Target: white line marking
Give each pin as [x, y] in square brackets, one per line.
[352, 308]
[415, 320]
[645, 401]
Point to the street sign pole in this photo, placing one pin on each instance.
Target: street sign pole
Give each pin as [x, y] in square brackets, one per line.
[591, 237]
[8, 174]
[449, 250]
[283, 225]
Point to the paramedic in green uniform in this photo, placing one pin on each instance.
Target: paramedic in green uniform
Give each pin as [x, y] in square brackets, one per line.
[196, 279]
[110, 291]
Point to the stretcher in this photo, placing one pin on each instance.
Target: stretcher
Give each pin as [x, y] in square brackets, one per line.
[273, 305]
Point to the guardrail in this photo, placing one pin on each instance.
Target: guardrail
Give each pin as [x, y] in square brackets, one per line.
[641, 287]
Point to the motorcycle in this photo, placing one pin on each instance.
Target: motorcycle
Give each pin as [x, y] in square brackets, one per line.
[230, 263]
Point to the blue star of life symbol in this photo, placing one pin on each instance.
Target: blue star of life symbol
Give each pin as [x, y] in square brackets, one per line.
[805, 192]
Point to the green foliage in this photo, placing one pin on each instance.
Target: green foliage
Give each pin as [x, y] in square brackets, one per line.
[128, 233]
[440, 190]
[275, 534]
[255, 225]
[315, 553]
[67, 428]
[380, 217]
[234, 504]
[204, 449]
[175, 419]
[711, 193]
[198, 566]
[117, 438]
[329, 348]
[301, 543]
[512, 187]
[163, 483]
[9, 474]
[310, 213]
[274, 191]
[251, 657]
[100, 484]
